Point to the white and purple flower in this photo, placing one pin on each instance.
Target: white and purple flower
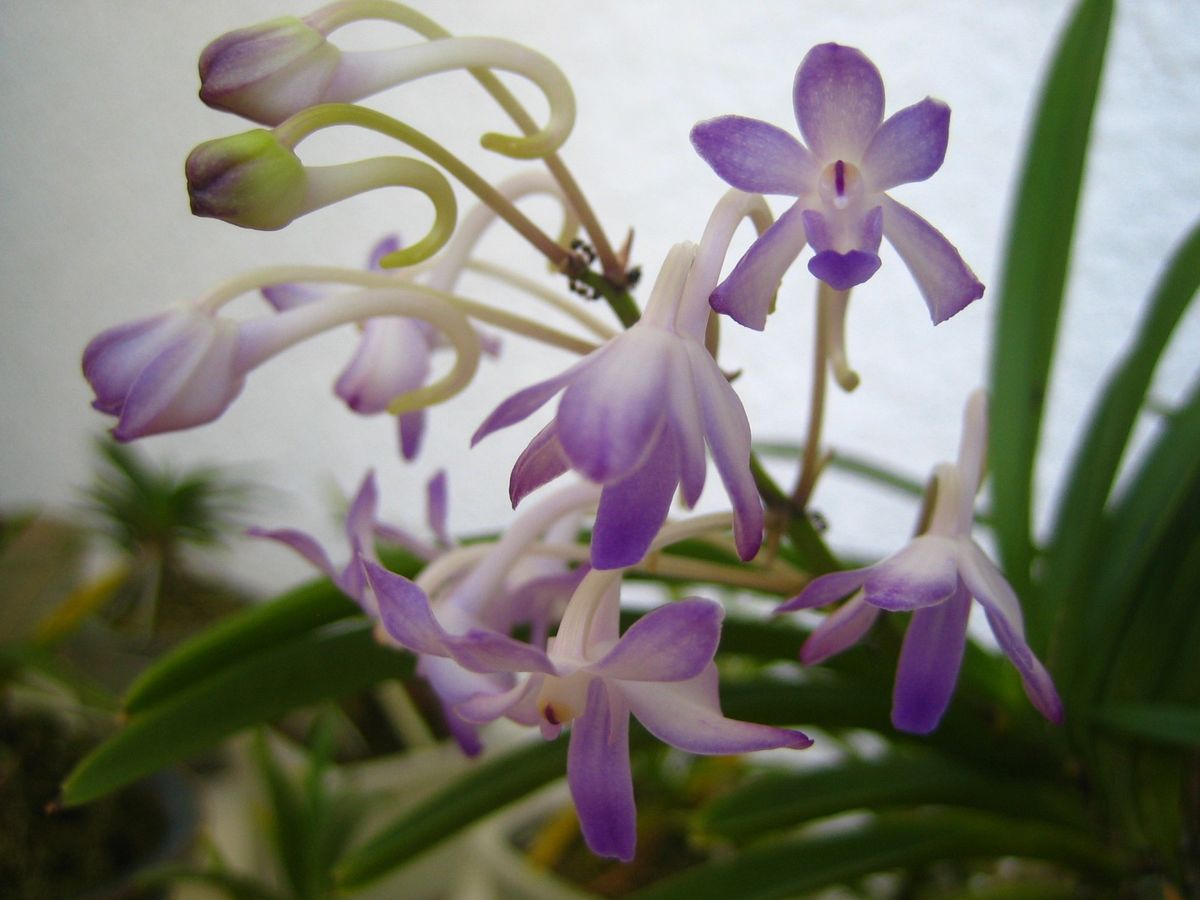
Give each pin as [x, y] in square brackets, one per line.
[392, 358]
[174, 370]
[591, 677]
[935, 577]
[839, 181]
[635, 416]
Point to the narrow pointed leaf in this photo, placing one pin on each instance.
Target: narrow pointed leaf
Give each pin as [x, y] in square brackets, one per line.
[237, 639]
[1103, 443]
[1034, 275]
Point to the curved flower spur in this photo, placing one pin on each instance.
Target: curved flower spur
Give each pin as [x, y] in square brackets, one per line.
[935, 577]
[839, 181]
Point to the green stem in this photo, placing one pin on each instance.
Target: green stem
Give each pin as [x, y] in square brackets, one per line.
[617, 297]
[614, 268]
[326, 115]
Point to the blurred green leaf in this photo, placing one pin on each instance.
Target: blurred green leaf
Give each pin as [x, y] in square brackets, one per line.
[330, 662]
[784, 799]
[850, 464]
[236, 887]
[1148, 533]
[785, 869]
[290, 824]
[1071, 561]
[1034, 276]
[482, 790]
[1162, 723]
[237, 639]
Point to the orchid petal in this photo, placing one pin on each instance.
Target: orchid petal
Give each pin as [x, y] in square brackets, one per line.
[385, 246]
[746, 294]
[190, 382]
[841, 630]
[842, 271]
[540, 463]
[610, 415]
[283, 297]
[487, 651]
[998, 600]
[303, 544]
[929, 663]
[827, 589]
[632, 510]
[727, 431]
[405, 612]
[683, 412]
[687, 715]
[411, 430]
[672, 643]
[392, 358]
[526, 402]
[755, 156]
[946, 282]
[515, 703]
[921, 574]
[437, 505]
[838, 100]
[600, 778]
[909, 146]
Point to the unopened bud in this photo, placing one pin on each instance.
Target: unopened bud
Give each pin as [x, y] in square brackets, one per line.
[249, 179]
[268, 71]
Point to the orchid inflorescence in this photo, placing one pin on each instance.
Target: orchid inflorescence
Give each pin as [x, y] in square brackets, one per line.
[639, 412]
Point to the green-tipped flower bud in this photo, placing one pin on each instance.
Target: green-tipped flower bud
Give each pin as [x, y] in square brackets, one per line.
[249, 179]
[266, 72]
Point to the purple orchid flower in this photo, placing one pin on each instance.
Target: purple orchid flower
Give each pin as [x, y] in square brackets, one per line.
[839, 181]
[935, 577]
[661, 670]
[635, 416]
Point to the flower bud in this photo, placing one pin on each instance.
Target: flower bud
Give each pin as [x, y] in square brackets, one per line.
[267, 71]
[168, 372]
[248, 179]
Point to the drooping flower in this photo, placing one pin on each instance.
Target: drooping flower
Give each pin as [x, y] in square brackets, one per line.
[392, 356]
[170, 371]
[184, 367]
[935, 577]
[661, 670]
[839, 181]
[634, 417]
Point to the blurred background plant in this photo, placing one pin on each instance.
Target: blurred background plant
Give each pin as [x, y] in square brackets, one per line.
[87, 599]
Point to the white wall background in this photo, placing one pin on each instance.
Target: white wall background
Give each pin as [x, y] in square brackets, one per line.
[98, 111]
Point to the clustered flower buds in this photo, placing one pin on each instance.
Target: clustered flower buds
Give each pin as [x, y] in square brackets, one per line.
[640, 412]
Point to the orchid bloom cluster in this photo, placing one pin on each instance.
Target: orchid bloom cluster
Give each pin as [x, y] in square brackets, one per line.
[636, 417]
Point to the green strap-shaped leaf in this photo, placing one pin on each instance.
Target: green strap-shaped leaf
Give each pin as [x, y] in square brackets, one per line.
[237, 639]
[781, 800]
[1080, 511]
[785, 869]
[1152, 517]
[324, 664]
[1034, 276]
